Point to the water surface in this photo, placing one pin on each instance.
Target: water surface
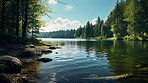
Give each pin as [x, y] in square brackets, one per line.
[93, 61]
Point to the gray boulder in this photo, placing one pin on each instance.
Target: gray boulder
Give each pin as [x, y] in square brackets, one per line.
[9, 64]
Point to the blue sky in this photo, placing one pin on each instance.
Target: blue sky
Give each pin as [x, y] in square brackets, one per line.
[77, 12]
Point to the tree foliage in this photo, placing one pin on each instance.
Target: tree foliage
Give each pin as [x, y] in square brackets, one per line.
[19, 17]
[128, 20]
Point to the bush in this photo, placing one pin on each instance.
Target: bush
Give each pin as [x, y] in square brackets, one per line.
[62, 43]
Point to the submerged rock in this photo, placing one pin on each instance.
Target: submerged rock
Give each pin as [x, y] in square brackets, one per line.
[45, 59]
[95, 77]
[27, 54]
[9, 64]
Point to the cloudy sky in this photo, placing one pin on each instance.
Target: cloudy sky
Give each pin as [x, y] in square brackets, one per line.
[76, 13]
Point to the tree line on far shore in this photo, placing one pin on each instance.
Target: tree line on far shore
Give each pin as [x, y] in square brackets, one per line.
[128, 20]
[57, 34]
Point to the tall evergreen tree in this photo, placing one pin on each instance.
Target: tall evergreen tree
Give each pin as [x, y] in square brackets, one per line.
[132, 17]
[88, 30]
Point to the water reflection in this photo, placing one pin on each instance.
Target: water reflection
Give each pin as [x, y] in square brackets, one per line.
[129, 57]
[125, 57]
[78, 60]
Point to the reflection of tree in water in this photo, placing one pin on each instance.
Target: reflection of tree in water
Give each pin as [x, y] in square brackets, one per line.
[129, 57]
[97, 48]
[125, 57]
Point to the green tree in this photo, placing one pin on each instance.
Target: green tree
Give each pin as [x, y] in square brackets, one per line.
[22, 16]
[88, 30]
[132, 17]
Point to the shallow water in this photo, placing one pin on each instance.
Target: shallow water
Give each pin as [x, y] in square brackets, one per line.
[93, 61]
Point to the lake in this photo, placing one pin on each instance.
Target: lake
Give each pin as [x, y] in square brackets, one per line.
[96, 61]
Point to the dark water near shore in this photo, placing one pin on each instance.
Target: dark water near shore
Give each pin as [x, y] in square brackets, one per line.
[92, 61]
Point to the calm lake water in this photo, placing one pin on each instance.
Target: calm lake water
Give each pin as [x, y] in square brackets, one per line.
[96, 61]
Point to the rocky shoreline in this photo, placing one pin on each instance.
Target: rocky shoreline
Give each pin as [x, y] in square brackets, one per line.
[18, 61]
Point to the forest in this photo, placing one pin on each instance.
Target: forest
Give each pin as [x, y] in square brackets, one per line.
[128, 21]
[57, 34]
[18, 18]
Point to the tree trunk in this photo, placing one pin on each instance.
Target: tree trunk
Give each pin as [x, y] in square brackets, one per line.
[17, 19]
[25, 21]
[3, 17]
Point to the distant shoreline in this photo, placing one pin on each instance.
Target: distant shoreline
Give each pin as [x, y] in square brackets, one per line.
[109, 39]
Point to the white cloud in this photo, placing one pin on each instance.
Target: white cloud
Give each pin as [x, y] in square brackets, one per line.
[94, 21]
[68, 7]
[52, 2]
[61, 24]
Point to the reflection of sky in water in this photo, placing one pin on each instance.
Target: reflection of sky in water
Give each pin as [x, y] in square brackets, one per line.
[74, 61]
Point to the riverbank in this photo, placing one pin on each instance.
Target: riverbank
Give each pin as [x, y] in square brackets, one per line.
[28, 55]
[112, 38]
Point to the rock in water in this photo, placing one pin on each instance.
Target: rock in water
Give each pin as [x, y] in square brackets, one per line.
[48, 45]
[47, 50]
[27, 54]
[52, 47]
[58, 47]
[9, 64]
[45, 59]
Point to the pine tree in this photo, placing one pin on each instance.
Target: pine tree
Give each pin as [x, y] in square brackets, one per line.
[132, 17]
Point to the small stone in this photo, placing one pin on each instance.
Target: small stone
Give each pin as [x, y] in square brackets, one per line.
[56, 52]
